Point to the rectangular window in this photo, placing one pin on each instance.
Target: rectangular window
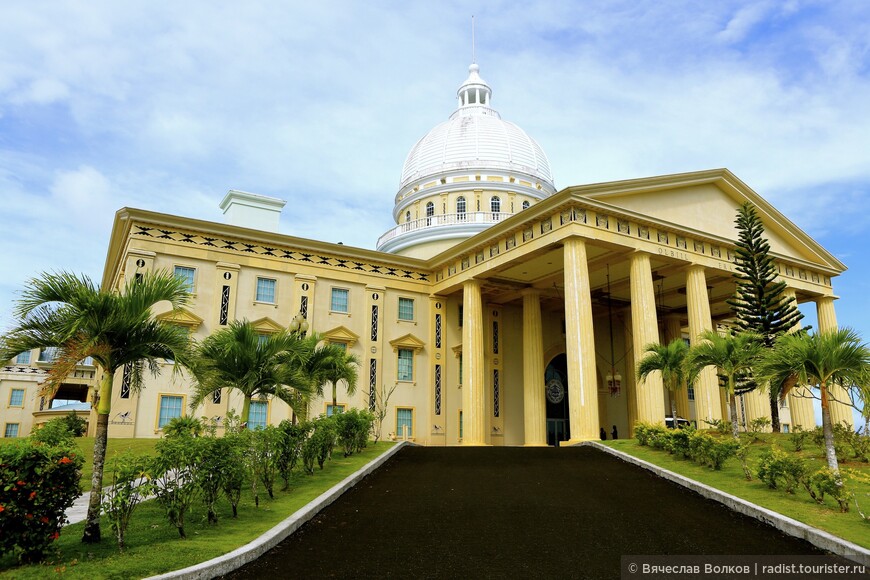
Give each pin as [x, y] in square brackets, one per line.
[437, 331]
[338, 303]
[406, 309]
[460, 369]
[186, 275]
[494, 337]
[341, 345]
[216, 397]
[406, 364]
[404, 423]
[225, 305]
[786, 428]
[460, 316]
[266, 290]
[496, 398]
[460, 424]
[691, 393]
[334, 409]
[48, 354]
[170, 408]
[16, 398]
[303, 306]
[23, 358]
[257, 415]
[11, 430]
[373, 380]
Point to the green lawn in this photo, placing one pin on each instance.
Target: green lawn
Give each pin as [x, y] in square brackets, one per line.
[799, 506]
[150, 533]
[113, 448]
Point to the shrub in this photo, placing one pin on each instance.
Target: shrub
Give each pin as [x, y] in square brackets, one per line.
[264, 456]
[720, 451]
[174, 471]
[743, 455]
[352, 429]
[183, 427]
[757, 427]
[37, 484]
[320, 444]
[53, 433]
[235, 469]
[840, 446]
[779, 469]
[129, 486]
[679, 441]
[76, 425]
[859, 443]
[798, 437]
[215, 456]
[719, 425]
[824, 481]
[295, 437]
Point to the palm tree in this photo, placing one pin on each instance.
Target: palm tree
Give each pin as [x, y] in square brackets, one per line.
[70, 313]
[330, 364]
[733, 354]
[257, 365]
[819, 360]
[670, 360]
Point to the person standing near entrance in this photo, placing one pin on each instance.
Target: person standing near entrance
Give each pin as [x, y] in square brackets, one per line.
[614, 433]
[603, 434]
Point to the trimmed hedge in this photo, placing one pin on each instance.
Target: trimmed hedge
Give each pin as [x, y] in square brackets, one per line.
[688, 443]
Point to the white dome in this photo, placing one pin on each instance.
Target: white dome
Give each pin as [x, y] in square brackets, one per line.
[475, 137]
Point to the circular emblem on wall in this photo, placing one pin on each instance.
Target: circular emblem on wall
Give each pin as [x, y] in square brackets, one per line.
[375, 296]
[305, 287]
[227, 275]
[555, 391]
[438, 306]
[140, 263]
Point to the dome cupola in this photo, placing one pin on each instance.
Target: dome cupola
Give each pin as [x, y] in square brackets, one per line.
[464, 175]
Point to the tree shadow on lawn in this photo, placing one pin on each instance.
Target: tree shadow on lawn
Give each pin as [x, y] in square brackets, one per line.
[511, 512]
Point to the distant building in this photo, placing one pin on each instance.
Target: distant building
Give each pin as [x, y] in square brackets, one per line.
[503, 311]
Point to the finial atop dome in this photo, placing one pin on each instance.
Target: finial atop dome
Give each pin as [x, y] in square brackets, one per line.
[474, 92]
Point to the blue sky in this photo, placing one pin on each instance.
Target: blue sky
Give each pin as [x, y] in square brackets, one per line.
[167, 105]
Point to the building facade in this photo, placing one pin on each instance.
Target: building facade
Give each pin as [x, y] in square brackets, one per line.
[498, 311]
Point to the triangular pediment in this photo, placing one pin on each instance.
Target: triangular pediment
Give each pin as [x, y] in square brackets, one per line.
[266, 325]
[341, 334]
[407, 341]
[707, 202]
[181, 317]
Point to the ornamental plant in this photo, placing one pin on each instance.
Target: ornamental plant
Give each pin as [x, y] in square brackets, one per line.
[290, 452]
[37, 484]
[175, 470]
[130, 485]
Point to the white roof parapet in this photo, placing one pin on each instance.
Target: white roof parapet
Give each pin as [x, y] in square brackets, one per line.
[251, 210]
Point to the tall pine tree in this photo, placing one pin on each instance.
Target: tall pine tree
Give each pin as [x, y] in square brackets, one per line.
[759, 302]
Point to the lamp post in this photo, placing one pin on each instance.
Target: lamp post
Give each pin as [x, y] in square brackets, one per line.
[299, 325]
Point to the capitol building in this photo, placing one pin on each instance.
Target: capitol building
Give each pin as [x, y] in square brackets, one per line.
[499, 310]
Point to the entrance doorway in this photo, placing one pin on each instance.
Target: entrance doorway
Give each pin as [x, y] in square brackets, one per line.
[556, 385]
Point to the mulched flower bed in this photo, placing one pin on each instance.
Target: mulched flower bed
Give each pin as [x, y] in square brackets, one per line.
[510, 512]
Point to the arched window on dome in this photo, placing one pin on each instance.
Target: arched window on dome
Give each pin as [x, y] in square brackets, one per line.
[407, 217]
[525, 205]
[430, 211]
[460, 208]
[495, 206]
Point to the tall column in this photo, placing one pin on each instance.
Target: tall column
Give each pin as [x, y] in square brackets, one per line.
[580, 344]
[828, 323]
[800, 403]
[473, 371]
[649, 392]
[707, 402]
[674, 331]
[631, 373]
[534, 401]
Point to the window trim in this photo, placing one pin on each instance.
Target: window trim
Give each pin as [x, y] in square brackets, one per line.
[268, 404]
[399, 351]
[412, 436]
[24, 363]
[338, 404]
[157, 427]
[332, 290]
[193, 280]
[23, 396]
[17, 430]
[257, 290]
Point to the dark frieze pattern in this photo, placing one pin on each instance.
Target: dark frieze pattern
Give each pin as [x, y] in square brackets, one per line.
[23, 370]
[285, 254]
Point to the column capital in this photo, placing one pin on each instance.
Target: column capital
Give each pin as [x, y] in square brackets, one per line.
[530, 291]
[826, 298]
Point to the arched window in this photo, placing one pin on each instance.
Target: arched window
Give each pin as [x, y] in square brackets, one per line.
[495, 207]
[430, 211]
[407, 217]
[525, 205]
[460, 207]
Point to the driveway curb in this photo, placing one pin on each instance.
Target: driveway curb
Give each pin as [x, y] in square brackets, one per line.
[792, 527]
[256, 548]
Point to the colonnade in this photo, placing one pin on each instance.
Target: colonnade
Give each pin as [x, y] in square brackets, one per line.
[647, 401]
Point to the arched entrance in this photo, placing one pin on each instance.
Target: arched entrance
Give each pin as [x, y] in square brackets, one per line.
[556, 385]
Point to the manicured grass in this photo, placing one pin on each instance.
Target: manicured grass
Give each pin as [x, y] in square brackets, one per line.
[113, 448]
[153, 547]
[798, 506]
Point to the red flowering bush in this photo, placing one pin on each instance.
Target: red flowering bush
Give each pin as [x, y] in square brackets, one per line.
[37, 484]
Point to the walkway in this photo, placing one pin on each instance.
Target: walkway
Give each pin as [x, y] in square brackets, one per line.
[509, 513]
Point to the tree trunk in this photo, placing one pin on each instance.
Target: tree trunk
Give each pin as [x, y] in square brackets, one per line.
[774, 412]
[732, 403]
[828, 430]
[246, 409]
[103, 404]
[674, 410]
[334, 397]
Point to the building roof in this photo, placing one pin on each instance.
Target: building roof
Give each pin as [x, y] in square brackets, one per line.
[475, 137]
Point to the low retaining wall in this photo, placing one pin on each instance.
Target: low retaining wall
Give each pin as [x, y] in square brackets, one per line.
[253, 550]
[792, 527]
